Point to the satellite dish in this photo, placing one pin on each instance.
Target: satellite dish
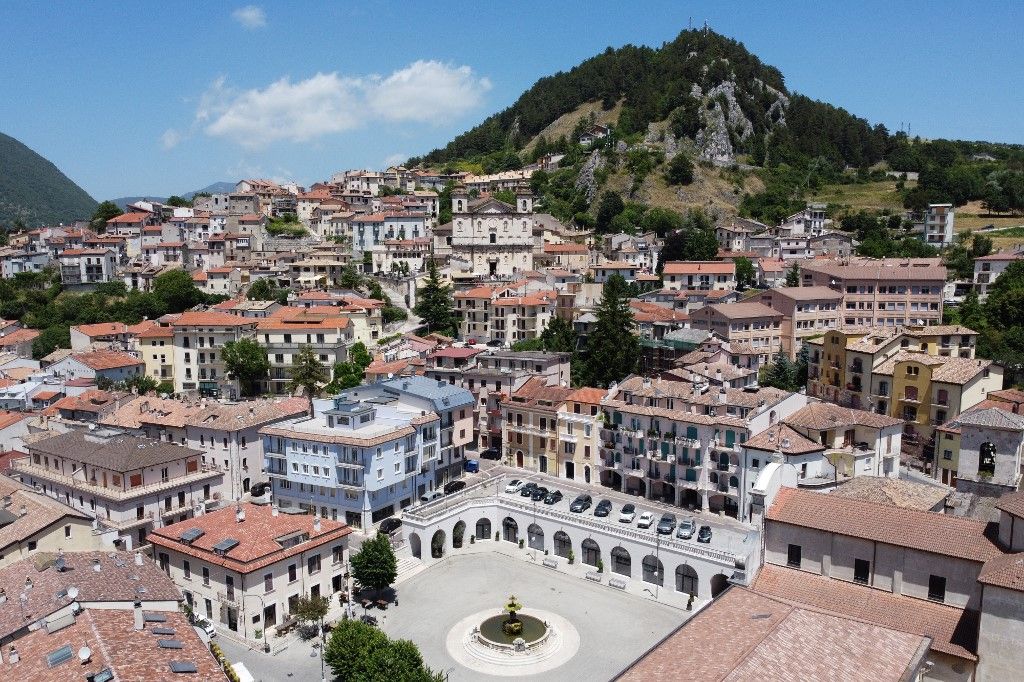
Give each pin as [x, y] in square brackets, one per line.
[72, 593]
[84, 654]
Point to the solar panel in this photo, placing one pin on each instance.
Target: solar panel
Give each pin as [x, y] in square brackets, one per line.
[183, 667]
[163, 631]
[59, 656]
[225, 545]
[170, 644]
[191, 535]
[154, 618]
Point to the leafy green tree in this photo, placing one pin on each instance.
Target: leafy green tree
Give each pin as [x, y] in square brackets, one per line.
[793, 275]
[696, 240]
[107, 210]
[179, 202]
[311, 609]
[346, 375]
[350, 278]
[177, 291]
[247, 361]
[140, 383]
[970, 313]
[350, 649]
[112, 288]
[611, 205]
[506, 195]
[263, 289]
[50, 339]
[745, 273]
[680, 170]
[435, 305]
[612, 348]
[1004, 307]
[374, 565]
[661, 221]
[359, 355]
[307, 372]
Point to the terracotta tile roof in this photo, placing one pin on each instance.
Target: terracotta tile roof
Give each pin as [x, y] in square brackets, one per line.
[757, 638]
[826, 416]
[18, 336]
[151, 329]
[301, 318]
[93, 400]
[200, 277]
[645, 311]
[806, 293]
[106, 359]
[909, 270]
[452, 352]
[398, 367]
[536, 389]
[102, 329]
[952, 630]
[739, 311]
[43, 395]
[1010, 395]
[257, 536]
[1012, 503]
[11, 418]
[885, 523]
[129, 218]
[1006, 571]
[193, 318]
[147, 410]
[537, 298]
[783, 438]
[700, 267]
[116, 582]
[948, 370]
[130, 655]
[243, 415]
[587, 394]
[894, 491]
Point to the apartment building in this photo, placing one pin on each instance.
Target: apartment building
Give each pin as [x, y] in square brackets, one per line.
[988, 268]
[884, 292]
[806, 311]
[700, 275]
[743, 324]
[199, 340]
[917, 571]
[365, 314]
[681, 443]
[80, 267]
[934, 225]
[244, 567]
[109, 365]
[401, 255]
[530, 429]
[580, 418]
[288, 330]
[569, 256]
[154, 342]
[809, 221]
[127, 483]
[104, 335]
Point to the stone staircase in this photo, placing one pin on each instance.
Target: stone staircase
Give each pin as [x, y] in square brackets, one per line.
[407, 567]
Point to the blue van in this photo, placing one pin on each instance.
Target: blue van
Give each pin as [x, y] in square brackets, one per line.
[471, 466]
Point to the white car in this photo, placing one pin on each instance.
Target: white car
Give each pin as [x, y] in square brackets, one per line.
[646, 520]
[206, 626]
[627, 514]
[513, 486]
[432, 495]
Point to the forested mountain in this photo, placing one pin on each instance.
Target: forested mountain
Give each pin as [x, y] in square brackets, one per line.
[711, 89]
[34, 191]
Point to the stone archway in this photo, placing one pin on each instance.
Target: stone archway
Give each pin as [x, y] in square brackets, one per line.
[611, 479]
[563, 545]
[686, 579]
[718, 583]
[622, 563]
[586, 473]
[414, 545]
[535, 537]
[510, 530]
[653, 570]
[483, 529]
[437, 544]
[590, 551]
[458, 533]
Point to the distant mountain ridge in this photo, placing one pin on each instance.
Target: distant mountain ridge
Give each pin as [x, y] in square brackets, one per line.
[217, 187]
[35, 191]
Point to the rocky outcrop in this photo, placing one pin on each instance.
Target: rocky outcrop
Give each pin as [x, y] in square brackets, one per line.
[733, 114]
[713, 137]
[585, 181]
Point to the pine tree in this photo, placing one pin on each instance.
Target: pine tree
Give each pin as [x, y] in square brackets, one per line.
[793, 276]
[307, 372]
[612, 349]
[435, 305]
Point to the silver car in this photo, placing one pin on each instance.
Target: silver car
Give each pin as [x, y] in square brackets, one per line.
[687, 527]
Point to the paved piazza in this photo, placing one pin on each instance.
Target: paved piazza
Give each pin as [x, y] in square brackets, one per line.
[614, 627]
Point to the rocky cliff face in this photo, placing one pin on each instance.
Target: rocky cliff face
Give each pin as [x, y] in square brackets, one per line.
[585, 181]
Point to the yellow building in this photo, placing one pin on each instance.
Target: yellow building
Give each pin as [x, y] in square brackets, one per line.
[579, 424]
[155, 344]
[530, 431]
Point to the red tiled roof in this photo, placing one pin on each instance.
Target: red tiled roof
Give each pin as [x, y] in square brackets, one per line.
[587, 394]
[925, 531]
[1006, 571]
[452, 352]
[11, 418]
[106, 359]
[102, 328]
[129, 218]
[43, 395]
[18, 336]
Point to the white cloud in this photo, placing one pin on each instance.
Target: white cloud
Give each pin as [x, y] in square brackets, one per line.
[394, 160]
[250, 17]
[170, 138]
[328, 103]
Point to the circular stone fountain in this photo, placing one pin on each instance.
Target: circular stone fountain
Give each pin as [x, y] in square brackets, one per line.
[514, 642]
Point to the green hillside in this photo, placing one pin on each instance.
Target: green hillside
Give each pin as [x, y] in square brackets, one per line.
[34, 191]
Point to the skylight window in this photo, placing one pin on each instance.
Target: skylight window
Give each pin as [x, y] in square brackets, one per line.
[183, 667]
[170, 644]
[59, 656]
[225, 546]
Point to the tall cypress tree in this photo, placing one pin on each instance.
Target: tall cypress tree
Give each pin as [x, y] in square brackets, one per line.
[612, 348]
[435, 305]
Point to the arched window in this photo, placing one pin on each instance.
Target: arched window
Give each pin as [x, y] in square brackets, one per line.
[987, 459]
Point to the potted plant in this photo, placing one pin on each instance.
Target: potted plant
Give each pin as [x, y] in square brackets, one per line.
[600, 566]
[497, 535]
[520, 543]
[472, 539]
[571, 557]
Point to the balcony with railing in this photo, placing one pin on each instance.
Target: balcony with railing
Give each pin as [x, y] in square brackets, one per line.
[204, 472]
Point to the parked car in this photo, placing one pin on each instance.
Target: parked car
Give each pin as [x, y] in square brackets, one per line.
[667, 524]
[646, 520]
[513, 486]
[471, 466]
[527, 490]
[704, 534]
[539, 493]
[553, 497]
[581, 503]
[603, 508]
[495, 343]
[454, 487]
[206, 626]
[627, 514]
[687, 527]
[432, 495]
[390, 525]
[490, 453]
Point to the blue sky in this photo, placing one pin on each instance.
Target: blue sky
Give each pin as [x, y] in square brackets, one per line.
[159, 98]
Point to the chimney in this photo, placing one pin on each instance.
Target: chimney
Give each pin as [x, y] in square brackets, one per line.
[23, 510]
[252, 410]
[12, 656]
[723, 396]
[273, 511]
[239, 514]
[138, 558]
[785, 442]
[138, 615]
[316, 524]
[96, 565]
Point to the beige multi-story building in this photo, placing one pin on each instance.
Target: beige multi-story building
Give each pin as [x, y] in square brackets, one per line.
[154, 342]
[199, 340]
[886, 292]
[700, 275]
[34, 522]
[807, 311]
[245, 567]
[490, 237]
[126, 483]
[289, 330]
[401, 255]
[579, 434]
[743, 324]
[530, 430]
